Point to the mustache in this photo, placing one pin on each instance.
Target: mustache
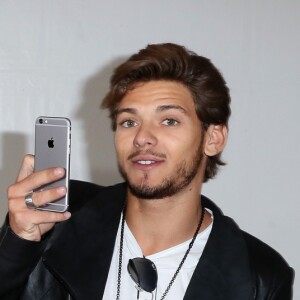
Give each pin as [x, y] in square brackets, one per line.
[151, 152]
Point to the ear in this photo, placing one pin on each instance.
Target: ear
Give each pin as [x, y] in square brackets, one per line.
[215, 139]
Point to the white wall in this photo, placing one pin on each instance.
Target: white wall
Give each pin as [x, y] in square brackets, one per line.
[56, 58]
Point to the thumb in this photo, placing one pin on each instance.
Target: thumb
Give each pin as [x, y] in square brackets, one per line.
[27, 167]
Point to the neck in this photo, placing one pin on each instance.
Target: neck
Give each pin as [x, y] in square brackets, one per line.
[163, 223]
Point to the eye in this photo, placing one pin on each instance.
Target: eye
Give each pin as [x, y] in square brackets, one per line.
[128, 123]
[170, 122]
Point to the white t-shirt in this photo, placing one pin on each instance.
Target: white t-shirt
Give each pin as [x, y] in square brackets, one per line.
[166, 262]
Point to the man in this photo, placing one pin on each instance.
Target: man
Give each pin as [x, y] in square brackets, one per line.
[151, 237]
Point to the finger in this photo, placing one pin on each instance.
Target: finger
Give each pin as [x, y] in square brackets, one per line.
[46, 196]
[27, 167]
[49, 217]
[34, 181]
[32, 224]
[18, 204]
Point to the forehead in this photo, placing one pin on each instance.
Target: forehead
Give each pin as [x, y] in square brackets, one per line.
[156, 93]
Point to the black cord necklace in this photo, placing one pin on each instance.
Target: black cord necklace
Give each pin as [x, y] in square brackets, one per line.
[180, 264]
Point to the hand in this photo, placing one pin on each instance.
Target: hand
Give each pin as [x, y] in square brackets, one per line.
[28, 223]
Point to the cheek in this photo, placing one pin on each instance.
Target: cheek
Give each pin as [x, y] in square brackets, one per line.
[181, 143]
[122, 145]
[118, 145]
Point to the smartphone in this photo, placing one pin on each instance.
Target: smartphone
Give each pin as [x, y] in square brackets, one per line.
[53, 149]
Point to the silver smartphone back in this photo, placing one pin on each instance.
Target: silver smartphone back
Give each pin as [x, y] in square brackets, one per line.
[52, 149]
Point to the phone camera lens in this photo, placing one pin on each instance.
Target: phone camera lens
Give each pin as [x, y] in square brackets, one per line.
[41, 121]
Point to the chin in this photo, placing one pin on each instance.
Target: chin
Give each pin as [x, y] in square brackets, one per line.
[166, 188]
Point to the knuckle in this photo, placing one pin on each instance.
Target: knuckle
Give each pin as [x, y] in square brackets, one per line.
[19, 218]
[37, 198]
[51, 174]
[58, 217]
[10, 191]
[42, 197]
[52, 217]
[43, 177]
[11, 205]
[15, 205]
[28, 159]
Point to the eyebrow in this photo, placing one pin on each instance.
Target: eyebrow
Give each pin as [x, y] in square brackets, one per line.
[126, 110]
[160, 108]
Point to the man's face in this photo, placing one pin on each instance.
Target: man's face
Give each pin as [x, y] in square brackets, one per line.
[159, 139]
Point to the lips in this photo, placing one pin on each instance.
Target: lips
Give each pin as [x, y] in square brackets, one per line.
[146, 160]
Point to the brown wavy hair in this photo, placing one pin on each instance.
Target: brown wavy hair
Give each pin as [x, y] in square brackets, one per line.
[176, 63]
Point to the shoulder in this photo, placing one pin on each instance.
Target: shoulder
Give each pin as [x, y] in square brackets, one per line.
[269, 268]
[271, 274]
[263, 256]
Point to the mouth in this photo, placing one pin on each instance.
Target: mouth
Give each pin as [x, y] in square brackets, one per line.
[145, 162]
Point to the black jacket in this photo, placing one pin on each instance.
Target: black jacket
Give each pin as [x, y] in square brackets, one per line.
[75, 257]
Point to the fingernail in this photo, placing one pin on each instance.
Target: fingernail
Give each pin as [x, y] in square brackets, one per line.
[59, 171]
[67, 214]
[61, 190]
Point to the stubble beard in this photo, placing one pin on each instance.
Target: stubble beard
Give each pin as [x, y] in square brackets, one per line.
[182, 177]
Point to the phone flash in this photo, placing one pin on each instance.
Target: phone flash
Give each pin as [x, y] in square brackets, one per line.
[46, 121]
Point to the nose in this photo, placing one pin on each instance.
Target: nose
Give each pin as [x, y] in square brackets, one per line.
[145, 136]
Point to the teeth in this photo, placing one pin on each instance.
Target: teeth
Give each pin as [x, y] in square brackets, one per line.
[146, 162]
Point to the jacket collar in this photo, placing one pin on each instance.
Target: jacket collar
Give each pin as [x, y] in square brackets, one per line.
[94, 250]
[222, 272]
